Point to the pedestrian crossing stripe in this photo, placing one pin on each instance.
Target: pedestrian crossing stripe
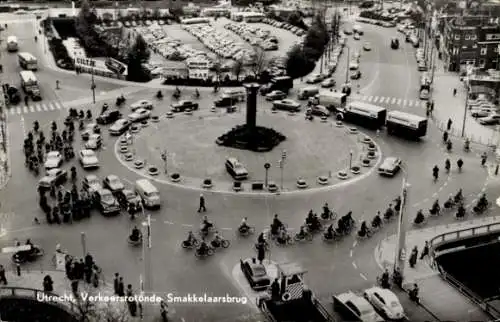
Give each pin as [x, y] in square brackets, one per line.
[32, 109]
[410, 103]
[25, 109]
[36, 107]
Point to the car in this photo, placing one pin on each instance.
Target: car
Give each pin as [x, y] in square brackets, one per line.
[94, 142]
[347, 31]
[255, 274]
[390, 166]
[275, 95]
[356, 36]
[88, 159]
[182, 106]
[90, 128]
[145, 104]
[353, 65]
[108, 117]
[236, 169]
[480, 113]
[126, 197]
[327, 83]
[355, 307]
[424, 94]
[356, 74]
[318, 110]
[113, 183]
[119, 127]
[385, 301]
[493, 119]
[139, 115]
[314, 78]
[52, 178]
[287, 105]
[106, 202]
[367, 46]
[224, 101]
[53, 160]
[91, 184]
[422, 67]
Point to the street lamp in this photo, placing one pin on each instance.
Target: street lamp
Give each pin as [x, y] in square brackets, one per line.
[266, 167]
[400, 254]
[92, 86]
[146, 253]
[84, 243]
[350, 159]
[466, 106]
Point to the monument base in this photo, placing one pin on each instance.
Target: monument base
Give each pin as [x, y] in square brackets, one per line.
[259, 139]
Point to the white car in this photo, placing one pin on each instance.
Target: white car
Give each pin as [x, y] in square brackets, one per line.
[88, 159]
[94, 142]
[139, 115]
[119, 127]
[385, 301]
[314, 78]
[367, 46]
[145, 104]
[54, 160]
[358, 306]
[353, 65]
[356, 36]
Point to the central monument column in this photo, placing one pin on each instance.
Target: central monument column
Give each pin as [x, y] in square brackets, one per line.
[252, 90]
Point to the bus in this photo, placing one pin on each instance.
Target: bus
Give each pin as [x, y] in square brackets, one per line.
[114, 65]
[365, 114]
[12, 44]
[406, 125]
[27, 61]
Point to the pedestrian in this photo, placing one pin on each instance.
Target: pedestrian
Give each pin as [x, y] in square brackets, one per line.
[448, 126]
[445, 136]
[74, 286]
[95, 276]
[132, 304]
[48, 284]
[81, 269]
[164, 311]
[121, 287]
[413, 257]
[425, 250]
[202, 207]
[26, 100]
[275, 290]
[261, 253]
[3, 279]
[89, 261]
[116, 283]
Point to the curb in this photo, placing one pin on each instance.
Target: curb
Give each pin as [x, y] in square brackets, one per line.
[8, 173]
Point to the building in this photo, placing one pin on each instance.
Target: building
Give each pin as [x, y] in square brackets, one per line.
[470, 41]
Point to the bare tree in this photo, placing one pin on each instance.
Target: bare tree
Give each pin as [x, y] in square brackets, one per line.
[259, 62]
[217, 67]
[238, 67]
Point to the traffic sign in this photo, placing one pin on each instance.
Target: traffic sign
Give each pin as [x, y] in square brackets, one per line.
[283, 154]
[164, 156]
[267, 165]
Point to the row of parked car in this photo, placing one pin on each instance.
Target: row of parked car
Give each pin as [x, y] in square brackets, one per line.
[254, 36]
[139, 23]
[220, 43]
[166, 46]
[283, 25]
[484, 110]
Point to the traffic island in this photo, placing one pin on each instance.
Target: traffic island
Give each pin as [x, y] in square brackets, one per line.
[175, 177]
[237, 186]
[323, 180]
[153, 171]
[207, 184]
[355, 170]
[155, 119]
[128, 156]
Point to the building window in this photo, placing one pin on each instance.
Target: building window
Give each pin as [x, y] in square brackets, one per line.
[457, 37]
[473, 37]
[467, 37]
[484, 50]
[482, 63]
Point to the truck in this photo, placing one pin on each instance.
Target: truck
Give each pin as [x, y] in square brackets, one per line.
[292, 302]
[332, 100]
[29, 83]
[281, 83]
[182, 106]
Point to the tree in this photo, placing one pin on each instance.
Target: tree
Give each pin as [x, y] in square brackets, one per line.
[297, 63]
[217, 68]
[238, 68]
[85, 20]
[138, 55]
[259, 62]
[91, 310]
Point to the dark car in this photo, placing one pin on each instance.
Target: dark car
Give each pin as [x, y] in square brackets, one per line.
[53, 178]
[184, 105]
[126, 197]
[119, 127]
[225, 101]
[113, 183]
[106, 202]
[108, 117]
[255, 274]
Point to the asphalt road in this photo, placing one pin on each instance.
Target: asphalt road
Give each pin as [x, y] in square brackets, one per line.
[332, 268]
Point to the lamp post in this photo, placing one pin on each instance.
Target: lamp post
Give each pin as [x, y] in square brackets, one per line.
[84, 243]
[465, 107]
[266, 179]
[92, 86]
[350, 159]
[347, 65]
[164, 157]
[400, 255]
[282, 167]
[146, 253]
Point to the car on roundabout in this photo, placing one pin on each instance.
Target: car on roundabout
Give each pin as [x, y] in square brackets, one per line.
[314, 78]
[385, 301]
[483, 112]
[236, 169]
[275, 95]
[91, 128]
[27, 253]
[53, 160]
[127, 197]
[113, 183]
[94, 142]
[256, 274]
[91, 184]
[286, 105]
[119, 127]
[108, 117]
[145, 104]
[390, 167]
[53, 178]
[139, 115]
[492, 119]
[88, 159]
[318, 110]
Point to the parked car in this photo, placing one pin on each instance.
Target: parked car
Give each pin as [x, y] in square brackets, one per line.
[119, 127]
[145, 104]
[91, 184]
[106, 202]
[88, 159]
[287, 105]
[126, 197]
[492, 119]
[236, 169]
[356, 74]
[53, 160]
[353, 65]
[385, 301]
[327, 83]
[355, 307]
[113, 183]
[275, 95]
[356, 36]
[422, 67]
[255, 274]
[139, 115]
[108, 117]
[52, 178]
[390, 166]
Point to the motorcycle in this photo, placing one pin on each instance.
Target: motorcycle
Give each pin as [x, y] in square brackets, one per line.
[224, 243]
[190, 244]
[204, 253]
[367, 234]
[449, 204]
[304, 236]
[120, 100]
[284, 241]
[480, 207]
[314, 226]
[330, 238]
[461, 212]
[330, 215]
[246, 231]
[30, 255]
[137, 242]
[159, 95]
[419, 219]
[205, 230]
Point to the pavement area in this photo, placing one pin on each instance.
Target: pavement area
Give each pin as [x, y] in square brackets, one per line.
[446, 302]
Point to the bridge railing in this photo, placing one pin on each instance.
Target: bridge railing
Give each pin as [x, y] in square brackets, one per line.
[48, 297]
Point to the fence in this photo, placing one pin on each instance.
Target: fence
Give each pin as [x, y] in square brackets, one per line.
[99, 72]
[456, 235]
[490, 142]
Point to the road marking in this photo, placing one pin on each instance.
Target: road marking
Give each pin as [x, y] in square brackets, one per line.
[50, 106]
[127, 181]
[18, 110]
[12, 111]
[57, 105]
[38, 108]
[425, 200]
[44, 107]
[423, 104]
[445, 184]
[370, 98]
[354, 265]
[363, 276]
[375, 99]
[404, 102]
[435, 194]
[168, 222]
[186, 225]
[350, 254]
[393, 100]
[410, 103]
[32, 109]
[25, 109]
[354, 244]
[399, 101]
